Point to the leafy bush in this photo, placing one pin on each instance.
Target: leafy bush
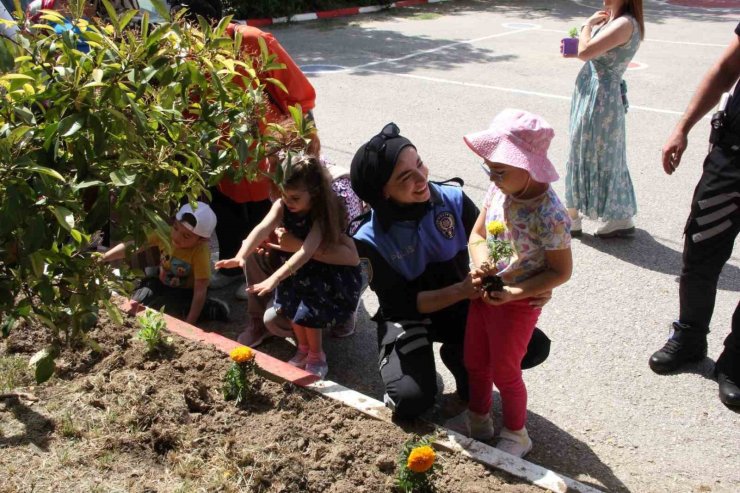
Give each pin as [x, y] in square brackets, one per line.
[256, 9]
[150, 116]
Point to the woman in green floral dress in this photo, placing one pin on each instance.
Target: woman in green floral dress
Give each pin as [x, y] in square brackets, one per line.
[598, 182]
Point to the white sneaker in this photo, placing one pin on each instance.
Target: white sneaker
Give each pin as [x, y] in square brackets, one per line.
[473, 425]
[576, 228]
[219, 280]
[616, 227]
[516, 443]
[241, 292]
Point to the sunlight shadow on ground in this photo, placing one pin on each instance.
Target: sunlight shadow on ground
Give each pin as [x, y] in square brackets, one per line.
[645, 251]
[37, 427]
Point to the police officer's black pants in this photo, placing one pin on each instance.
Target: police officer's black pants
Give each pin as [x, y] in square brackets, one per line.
[407, 365]
[713, 225]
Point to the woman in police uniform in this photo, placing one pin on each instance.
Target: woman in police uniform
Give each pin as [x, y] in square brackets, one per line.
[415, 244]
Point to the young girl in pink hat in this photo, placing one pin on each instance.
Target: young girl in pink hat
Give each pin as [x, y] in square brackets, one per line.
[537, 226]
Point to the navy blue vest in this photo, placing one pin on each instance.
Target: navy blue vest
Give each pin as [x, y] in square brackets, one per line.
[409, 246]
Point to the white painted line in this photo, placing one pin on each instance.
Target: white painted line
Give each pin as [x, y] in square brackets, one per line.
[513, 91]
[457, 443]
[651, 40]
[520, 25]
[439, 48]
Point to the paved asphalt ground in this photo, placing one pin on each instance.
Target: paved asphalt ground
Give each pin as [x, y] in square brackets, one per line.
[596, 411]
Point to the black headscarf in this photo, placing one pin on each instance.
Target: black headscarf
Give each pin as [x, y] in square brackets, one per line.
[369, 173]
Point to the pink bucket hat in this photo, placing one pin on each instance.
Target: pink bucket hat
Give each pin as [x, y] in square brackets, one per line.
[517, 138]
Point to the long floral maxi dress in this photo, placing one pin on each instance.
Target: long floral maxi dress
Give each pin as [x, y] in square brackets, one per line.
[597, 181]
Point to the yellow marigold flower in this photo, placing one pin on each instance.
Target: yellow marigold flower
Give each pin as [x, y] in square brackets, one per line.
[495, 228]
[421, 459]
[242, 354]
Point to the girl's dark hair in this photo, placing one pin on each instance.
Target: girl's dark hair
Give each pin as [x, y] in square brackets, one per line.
[634, 8]
[326, 208]
[211, 10]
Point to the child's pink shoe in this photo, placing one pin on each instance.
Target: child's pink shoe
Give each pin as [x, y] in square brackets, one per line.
[299, 358]
[316, 364]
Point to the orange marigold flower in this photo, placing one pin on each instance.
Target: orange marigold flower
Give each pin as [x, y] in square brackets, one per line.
[242, 354]
[421, 459]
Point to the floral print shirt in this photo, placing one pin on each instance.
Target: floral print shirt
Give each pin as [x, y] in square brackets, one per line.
[533, 226]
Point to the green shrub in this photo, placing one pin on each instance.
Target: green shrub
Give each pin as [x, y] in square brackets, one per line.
[257, 9]
[148, 117]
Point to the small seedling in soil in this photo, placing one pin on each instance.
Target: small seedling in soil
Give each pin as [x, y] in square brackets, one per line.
[417, 466]
[573, 32]
[236, 381]
[152, 325]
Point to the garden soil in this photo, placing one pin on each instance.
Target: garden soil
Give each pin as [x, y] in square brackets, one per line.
[120, 419]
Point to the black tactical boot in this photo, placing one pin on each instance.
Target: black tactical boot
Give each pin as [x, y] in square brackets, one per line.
[686, 344]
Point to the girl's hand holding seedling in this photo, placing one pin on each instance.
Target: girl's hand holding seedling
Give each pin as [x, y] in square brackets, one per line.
[507, 293]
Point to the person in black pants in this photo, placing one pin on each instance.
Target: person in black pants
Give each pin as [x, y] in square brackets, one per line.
[711, 229]
[415, 245]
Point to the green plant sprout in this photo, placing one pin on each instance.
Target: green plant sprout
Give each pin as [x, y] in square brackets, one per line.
[152, 324]
[236, 382]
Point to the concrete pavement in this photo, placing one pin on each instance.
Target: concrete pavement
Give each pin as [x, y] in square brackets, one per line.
[597, 412]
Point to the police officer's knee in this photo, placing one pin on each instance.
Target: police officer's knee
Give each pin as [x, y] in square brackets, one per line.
[407, 399]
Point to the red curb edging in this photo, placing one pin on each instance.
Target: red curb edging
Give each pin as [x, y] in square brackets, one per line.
[271, 365]
[329, 14]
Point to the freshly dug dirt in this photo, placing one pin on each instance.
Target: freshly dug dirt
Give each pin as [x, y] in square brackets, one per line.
[124, 420]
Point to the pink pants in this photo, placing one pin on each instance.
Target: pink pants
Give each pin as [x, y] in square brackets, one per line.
[496, 339]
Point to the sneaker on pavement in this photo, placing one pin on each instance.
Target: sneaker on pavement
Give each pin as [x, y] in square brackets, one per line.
[473, 425]
[318, 367]
[576, 227]
[220, 280]
[616, 228]
[254, 334]
[241, 292]
[516, 443]
[215, 309]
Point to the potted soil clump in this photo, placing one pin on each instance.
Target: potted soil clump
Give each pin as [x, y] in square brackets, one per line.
[499, 251]
[569, 45]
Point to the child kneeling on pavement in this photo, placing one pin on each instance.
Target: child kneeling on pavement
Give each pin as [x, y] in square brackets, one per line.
[184, 268]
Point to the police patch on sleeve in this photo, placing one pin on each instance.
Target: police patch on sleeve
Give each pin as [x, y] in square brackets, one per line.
[445, 223]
